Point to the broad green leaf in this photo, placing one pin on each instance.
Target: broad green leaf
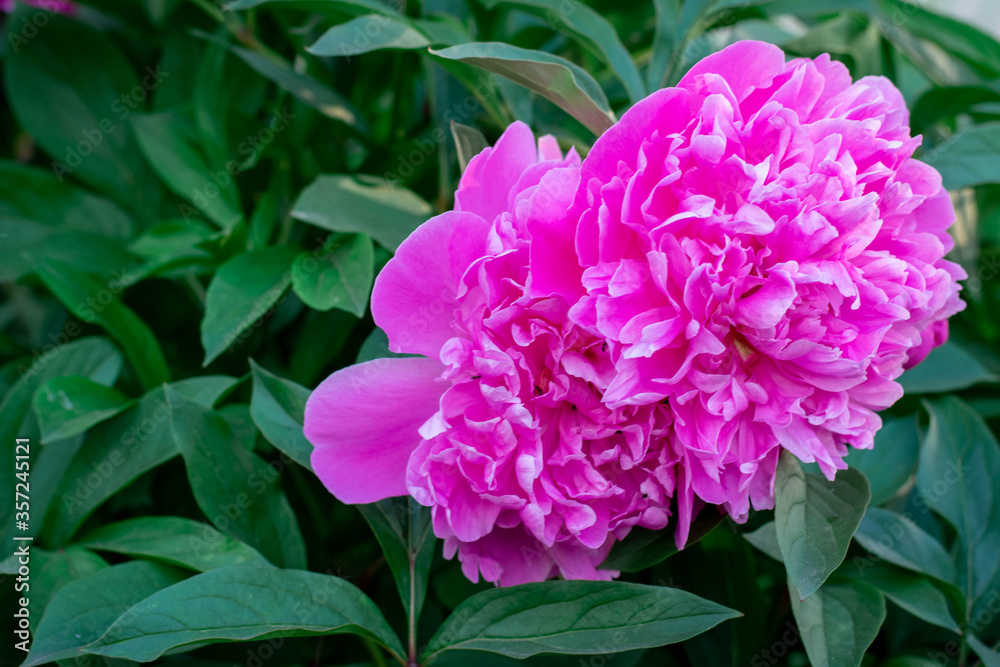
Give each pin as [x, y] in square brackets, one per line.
[51, 570]
[989, 656]
[970, 157]
[765, 539]
[240, 604]
[235, 489]
[376, 346]
[575, 617]
[915, 593]
[205, 390]
[342, 203]
[278, 408]
[43, 216]
[371, 32]
[95, 358]
[173, 540]
[815, 520]
[895, 538]
[943, 102]
[69, 405]
[838, 622]
[171, 143]
[644, 548]
[74, 103]
[99, 304]
[594, 31]
[947, 368]
[338, 275]
[84, 609]
[566, 85]
[113, 455]
[959, 464]
[36, 194]
[469, 142]
[172, 240]
[403, 529]
[892, 460]
[243, 290]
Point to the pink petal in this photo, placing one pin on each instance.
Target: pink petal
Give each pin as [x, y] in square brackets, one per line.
[413, 300]
[745, 65]
[363, 422]
[486, 185]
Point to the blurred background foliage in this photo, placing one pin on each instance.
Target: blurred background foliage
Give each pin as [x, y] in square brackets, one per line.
[194, 202]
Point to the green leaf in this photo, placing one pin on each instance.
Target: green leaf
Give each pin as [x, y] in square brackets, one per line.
[897, 539]
[51, 570]
[113, 455]
[665, 41]
[371, 32]
[235, 489]
[74, 102]
[376, 346]
[890, 463]
[99, 304]
[644, 548]
[566, 85]
[575, 617]
[69, 405]
[240, 604]
[173, 540]
[765, 539]
[838, 622]
[278, 408]
[305, 88]
[939, 103]
[84, 609]
[955, 37]
[947, 368]
[95, 358]
[339, 275]
[171, 144]
[592, 30]
[469, 142]
[913, 592]
[970, 157]
[243, 290]
[959, 463]
[815, 520]
[342, 203]
[989, 656]
[205, 390]
[348, 6]
[403, 529]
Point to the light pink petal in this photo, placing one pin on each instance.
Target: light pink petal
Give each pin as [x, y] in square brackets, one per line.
[413, 300]
[363, 421]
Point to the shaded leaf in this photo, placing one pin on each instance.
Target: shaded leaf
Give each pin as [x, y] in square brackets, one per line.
[946, 368]
[371, 32]
[838, 622]
[892, 460]
[278, 408]
[212, 607]
[69, 405]
[340, 275]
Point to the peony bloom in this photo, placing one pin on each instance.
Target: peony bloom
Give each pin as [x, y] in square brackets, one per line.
[743, 263]
[761, 252]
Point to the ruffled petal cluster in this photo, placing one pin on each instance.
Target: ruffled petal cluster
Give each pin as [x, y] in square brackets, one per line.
[743, 264]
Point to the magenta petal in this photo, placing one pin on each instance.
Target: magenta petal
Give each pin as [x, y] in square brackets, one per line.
[414, 296]
[486, 185]
[363, 421]
[744, 66]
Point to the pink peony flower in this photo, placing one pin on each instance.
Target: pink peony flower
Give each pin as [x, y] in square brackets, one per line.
[743, 263]
[760, 251]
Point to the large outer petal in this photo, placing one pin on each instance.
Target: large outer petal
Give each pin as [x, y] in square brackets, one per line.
[413, 300]
[363, 421]
[744, 66]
